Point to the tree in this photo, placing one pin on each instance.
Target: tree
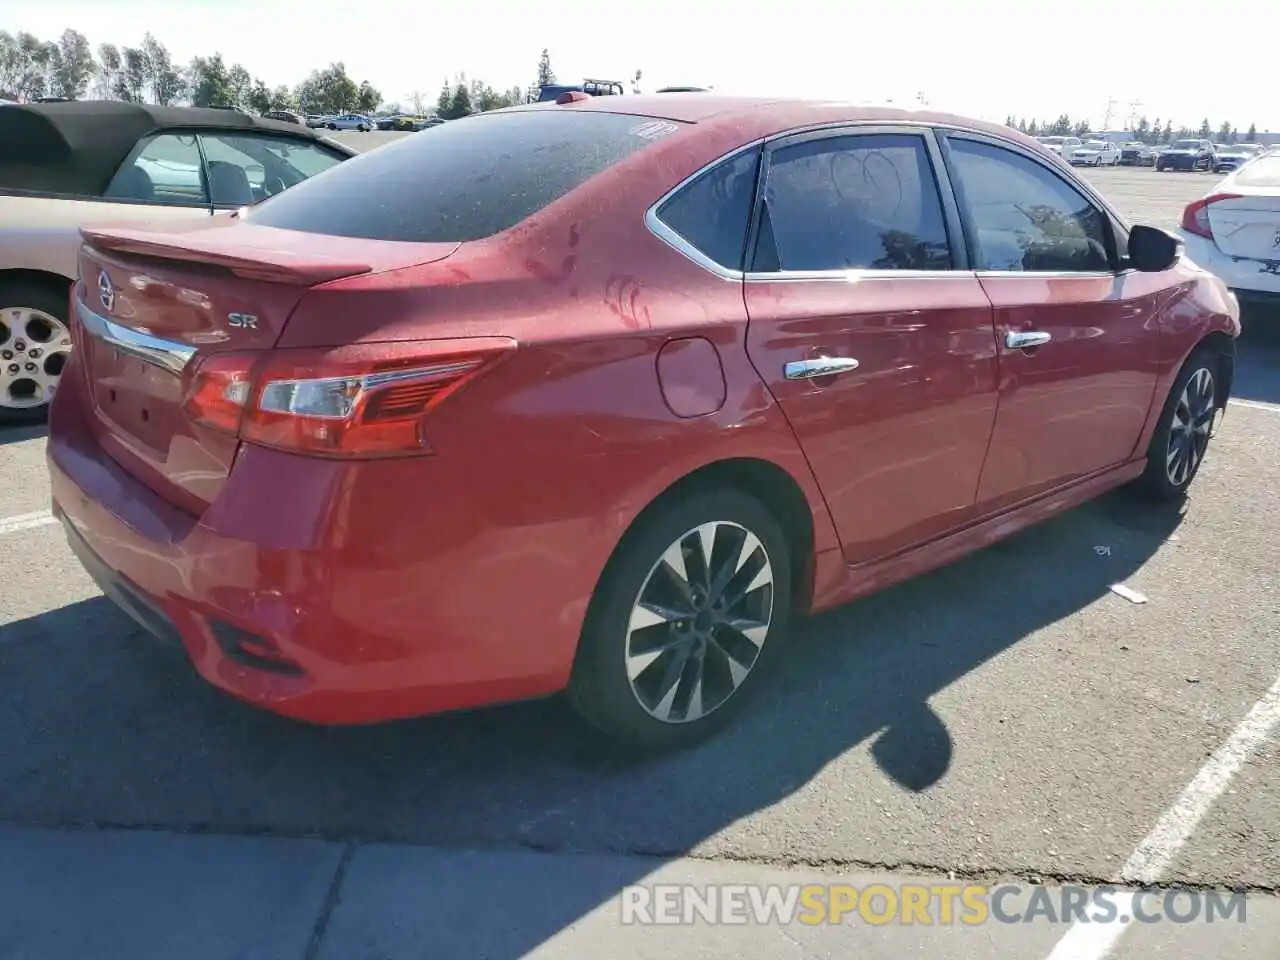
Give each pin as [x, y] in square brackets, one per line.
[33, 61]
[164, 83]
[72, 67]
[418, 103]
[258, 99]
[445, 97]
[1168, 132]
[1252, 135]
[1143, 129]
[282, 98]
[459, 103]
[328, 91]
[1205, 131]
[545, 74]
[367, 98]
[10, 65]
[131, 80]
[108, 69]
[209, 81]
[1224, 133]
[1033, 129]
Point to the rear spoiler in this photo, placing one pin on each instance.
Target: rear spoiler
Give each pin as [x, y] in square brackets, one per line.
[244, 258]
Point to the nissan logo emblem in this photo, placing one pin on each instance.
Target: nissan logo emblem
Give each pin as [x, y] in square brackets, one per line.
[106, 292]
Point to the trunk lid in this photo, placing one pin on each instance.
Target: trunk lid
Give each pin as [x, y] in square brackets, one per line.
[154, 300]
[1248, 226]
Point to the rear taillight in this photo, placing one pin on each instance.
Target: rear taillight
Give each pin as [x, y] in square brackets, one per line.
[1195, 218]
[368, 400]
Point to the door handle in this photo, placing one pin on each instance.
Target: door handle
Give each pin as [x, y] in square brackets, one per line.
[1021, 340]
[819, 367]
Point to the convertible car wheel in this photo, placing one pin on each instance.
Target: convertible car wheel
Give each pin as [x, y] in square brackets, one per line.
[34, 345]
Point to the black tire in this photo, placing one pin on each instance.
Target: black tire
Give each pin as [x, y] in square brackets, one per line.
[1168, 483]
[32, 296]
[600, 689]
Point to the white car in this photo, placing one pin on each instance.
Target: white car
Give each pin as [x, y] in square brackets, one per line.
[1095, 153]
[1062, 146]
[350, 121]
[1234, 230]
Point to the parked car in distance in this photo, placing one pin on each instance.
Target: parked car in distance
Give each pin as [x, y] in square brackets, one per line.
[1234, 231]
[1062, 146]
[432, 455]
[285, 116]
[1095, 153]
[349, 121]
[67, 164]
[316, 121]
[1186, 155]
[1138, 154]
[1234, 156]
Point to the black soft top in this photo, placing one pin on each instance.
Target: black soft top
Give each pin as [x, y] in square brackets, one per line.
[77, 147]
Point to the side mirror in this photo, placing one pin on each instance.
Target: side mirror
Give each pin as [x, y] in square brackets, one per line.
[1152, 250]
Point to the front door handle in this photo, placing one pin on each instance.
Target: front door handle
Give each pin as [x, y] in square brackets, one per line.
[819, 367]
[1021, 340]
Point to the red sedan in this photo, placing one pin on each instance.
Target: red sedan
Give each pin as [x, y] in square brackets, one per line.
[597, 395]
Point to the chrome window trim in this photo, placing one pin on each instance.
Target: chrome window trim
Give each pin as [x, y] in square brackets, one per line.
[856, 274]
[166, 354]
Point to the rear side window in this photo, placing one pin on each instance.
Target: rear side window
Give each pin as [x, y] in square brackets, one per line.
[711, 213]
[463, 180]
[163, 169]
[1262, 172]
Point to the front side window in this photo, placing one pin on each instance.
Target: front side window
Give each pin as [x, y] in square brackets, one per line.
[469, 179]
[712, 212]
[162, 169]
[862, 201]
[1023, 216]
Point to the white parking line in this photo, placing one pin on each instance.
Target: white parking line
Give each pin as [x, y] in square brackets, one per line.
[1255, 405]
[1148, 863]
[26, 521]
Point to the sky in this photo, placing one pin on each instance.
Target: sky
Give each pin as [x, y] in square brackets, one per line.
[1184, 60]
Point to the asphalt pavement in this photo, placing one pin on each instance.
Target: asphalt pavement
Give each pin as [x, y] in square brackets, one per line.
[1008, 719]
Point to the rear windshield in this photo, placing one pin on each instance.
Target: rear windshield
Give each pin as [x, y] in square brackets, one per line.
[1261, 172]
[1186, 145]
[463, 180]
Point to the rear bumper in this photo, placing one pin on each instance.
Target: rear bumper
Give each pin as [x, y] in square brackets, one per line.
[273, 615]
[1252, 281]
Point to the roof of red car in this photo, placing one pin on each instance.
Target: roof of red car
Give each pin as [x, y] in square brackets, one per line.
[784, 112]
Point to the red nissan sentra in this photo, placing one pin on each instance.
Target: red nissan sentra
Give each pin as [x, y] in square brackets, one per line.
[596, 395]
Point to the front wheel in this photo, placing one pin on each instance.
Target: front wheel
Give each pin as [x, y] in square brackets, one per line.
[690, 613]
[1182, 434]
[35, 342]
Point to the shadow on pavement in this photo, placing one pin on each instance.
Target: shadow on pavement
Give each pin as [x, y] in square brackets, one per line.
[18, 434]
[1258, 356]
[98, 724]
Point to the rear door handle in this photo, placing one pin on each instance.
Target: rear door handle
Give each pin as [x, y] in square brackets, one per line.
[819, 367]
[1020, 340]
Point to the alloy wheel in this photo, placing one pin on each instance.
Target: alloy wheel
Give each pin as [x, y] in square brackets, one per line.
[1190, 428]
[34, 346]
[699, 622]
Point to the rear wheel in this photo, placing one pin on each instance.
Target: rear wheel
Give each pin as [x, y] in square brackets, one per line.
[689, 615]
[1181, 437]
[35, 342]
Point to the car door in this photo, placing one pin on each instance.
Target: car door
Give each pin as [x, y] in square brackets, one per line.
[872, 335]
[1075, 329]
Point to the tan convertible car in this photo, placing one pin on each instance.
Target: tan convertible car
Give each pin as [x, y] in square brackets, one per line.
[64, 165]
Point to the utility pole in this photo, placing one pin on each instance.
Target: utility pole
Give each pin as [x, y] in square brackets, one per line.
[1106, 118]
